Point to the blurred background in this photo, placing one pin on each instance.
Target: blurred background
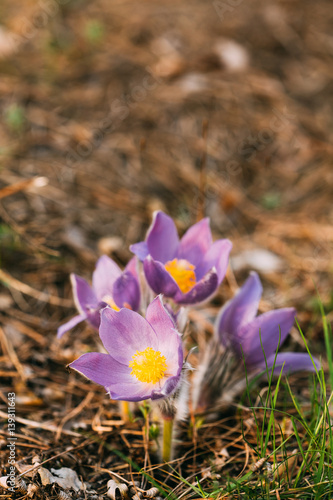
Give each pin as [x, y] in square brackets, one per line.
[111, 110]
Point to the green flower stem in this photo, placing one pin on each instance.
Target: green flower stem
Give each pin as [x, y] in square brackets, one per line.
[167, 439]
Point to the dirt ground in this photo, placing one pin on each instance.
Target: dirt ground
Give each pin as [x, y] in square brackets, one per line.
[111, 110]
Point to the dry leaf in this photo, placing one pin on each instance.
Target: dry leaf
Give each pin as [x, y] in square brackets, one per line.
[66, 478]
[3, 482]
[116, 490]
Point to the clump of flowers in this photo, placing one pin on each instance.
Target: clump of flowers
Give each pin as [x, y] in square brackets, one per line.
[188, 270]
[144, 356]
[245, 341]
[256, 338]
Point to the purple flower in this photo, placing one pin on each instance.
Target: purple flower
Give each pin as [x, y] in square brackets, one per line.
[238, 328]
[145, 355]
[190, 270]
[110, 286]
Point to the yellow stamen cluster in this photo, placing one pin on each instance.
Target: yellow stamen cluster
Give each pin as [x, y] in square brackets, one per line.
[183, 273]
[148, 365]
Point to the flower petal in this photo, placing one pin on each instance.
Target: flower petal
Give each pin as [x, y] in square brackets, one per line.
[168, 388]
[104, 276]
[162, 238]
[196, 242]
[158, 278]
[269, 324]
[70, 324]
[94, 316]
[159, 318]
[133, 390]
[126, 290]
[293, 362]
[132, 267]
[84, 296]
[169, 341]
[100, 368]
[218, 257]
[115, 377]
[140, 250]
[125, 332]
[201, 291]
[238, 311]
[173, 314]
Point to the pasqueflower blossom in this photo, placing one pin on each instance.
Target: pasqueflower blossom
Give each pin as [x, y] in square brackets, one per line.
[241, 336]
[187, 270]
[247, 335]
[145, 355]
[110, 286]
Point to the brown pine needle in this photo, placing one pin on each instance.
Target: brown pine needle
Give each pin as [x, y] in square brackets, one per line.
[8, 280]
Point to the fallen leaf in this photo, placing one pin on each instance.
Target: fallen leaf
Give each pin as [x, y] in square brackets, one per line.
[117, 491]
[66, 478]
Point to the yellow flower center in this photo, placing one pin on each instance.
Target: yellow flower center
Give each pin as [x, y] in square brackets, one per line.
[110, 302]
[183, 273]
[148, 365]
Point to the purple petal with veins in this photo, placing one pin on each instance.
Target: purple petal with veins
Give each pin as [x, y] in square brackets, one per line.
[132, 267]
[273, 328]
[104, 276]
[84, 295]
[162, 238]
[124, 332]
[238, 312]
[196, 242]
[140, 250]
[101, 368]
[70, 324]
[126, 291]
[126, 335]
[292, 362]
[217, 256]
[162, 323]
[158, 278]
[202, 291]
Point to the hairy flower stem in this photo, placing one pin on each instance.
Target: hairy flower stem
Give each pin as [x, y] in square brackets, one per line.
[167, 439]
[125, 411]
[167, 409]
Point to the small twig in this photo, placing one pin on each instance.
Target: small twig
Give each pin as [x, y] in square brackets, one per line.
[40, 425]
[8, 280]
[26, 330]
[100, 469]
[73, 413]
[7, 346]
[56, 456]
[22, 185]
